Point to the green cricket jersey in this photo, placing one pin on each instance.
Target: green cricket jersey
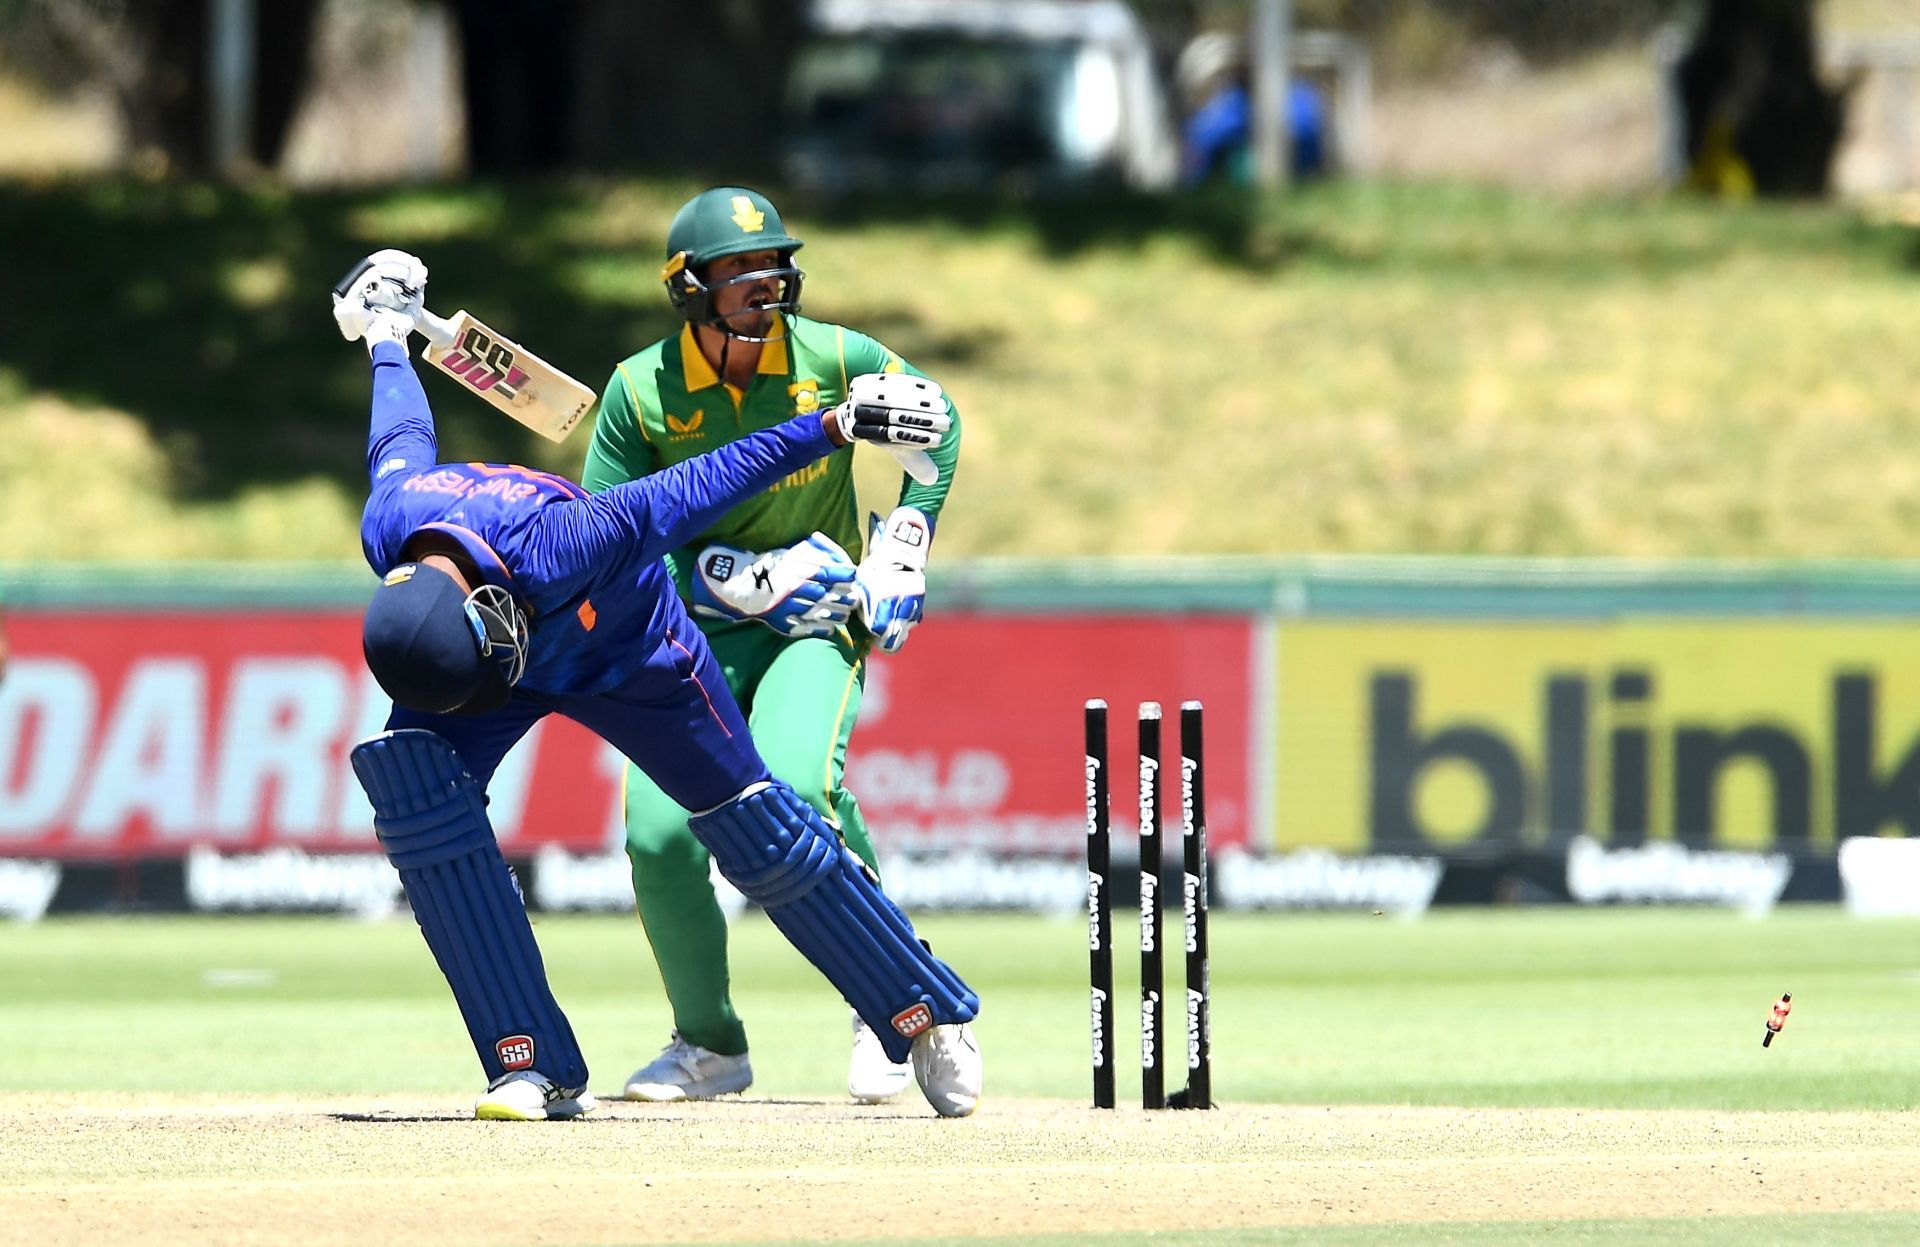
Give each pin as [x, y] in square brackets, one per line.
[666, 404]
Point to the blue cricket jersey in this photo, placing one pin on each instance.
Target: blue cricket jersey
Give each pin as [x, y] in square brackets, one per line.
[587, 566]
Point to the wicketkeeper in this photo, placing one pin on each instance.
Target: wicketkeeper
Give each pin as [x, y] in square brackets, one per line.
[508, 595]
[776, 584]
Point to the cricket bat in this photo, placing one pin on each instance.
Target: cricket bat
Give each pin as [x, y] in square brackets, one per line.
[505, 374]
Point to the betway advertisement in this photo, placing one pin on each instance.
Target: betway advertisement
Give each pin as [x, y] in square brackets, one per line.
[137, 735]
[1490, 737]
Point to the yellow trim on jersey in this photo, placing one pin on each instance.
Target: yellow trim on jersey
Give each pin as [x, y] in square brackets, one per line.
[633, 400]
[626, 779]
[773, 353]
[699, 374]
[846, 695]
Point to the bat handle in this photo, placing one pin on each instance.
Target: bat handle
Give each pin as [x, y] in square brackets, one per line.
[917, 463]
[435, 329]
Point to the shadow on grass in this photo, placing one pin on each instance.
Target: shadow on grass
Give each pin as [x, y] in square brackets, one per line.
[203, 312]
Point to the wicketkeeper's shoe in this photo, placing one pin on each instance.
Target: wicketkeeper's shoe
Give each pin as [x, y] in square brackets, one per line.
[871, 1077]
[527, 1096]
[686, 1071]
[947, 1065]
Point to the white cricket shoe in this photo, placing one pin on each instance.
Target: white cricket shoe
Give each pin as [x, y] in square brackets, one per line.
[380, 299]
[871, 1077]
[947, 1065]
[528, 1096]
[686, 1071]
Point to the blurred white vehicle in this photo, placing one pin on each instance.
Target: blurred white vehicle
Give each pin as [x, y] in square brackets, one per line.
[984, 95]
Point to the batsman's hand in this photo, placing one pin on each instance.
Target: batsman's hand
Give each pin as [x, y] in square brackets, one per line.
[805, 590]
[891, 584]
[905, 414]
[380, 296]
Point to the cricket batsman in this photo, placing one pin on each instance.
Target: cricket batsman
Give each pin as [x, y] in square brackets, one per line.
[777, 585]
[507, 595]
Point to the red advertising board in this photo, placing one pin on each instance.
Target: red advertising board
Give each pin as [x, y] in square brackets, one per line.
[137, 734]
[970, 737]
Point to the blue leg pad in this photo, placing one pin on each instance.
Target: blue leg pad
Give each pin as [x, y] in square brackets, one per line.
[432, 821]
[779, 852]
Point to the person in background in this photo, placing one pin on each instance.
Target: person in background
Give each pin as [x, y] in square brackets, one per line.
[1216, 140]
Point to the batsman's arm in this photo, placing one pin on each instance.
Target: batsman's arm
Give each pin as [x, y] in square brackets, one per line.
[864, 355]
[666, 509]
[401, 433]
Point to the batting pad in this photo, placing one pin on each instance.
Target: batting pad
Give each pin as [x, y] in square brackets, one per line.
[432, 821]
[778, 851]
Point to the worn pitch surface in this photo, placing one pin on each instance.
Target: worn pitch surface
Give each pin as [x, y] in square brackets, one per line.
[103, 1169]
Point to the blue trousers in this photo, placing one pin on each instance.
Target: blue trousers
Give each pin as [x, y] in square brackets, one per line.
[683, 728]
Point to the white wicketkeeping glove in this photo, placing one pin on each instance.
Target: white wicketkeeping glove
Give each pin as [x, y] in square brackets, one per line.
[806, 590]
[907, 415]
[379, 300]
[891, 585]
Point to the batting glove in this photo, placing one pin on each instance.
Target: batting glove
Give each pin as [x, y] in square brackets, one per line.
[806, 590]
[379, 298]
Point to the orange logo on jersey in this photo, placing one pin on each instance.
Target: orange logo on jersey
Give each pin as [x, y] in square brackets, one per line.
[749, 218]
[680, 430]
[806, 396]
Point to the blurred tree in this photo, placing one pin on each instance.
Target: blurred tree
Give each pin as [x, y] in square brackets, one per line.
[153, 54]
[520, 76]
[694, 86]
[1757, 117]
[603, 84]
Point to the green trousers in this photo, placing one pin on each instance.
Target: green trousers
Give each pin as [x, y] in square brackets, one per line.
[801, 698]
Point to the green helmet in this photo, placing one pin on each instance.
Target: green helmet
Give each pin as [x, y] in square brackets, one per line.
[726, 220]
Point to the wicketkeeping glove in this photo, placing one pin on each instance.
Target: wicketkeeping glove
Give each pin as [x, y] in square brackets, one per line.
[907, 415]
[891, 584]
[806, 590]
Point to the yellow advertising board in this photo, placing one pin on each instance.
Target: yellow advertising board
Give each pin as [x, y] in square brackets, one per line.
[1416, 735]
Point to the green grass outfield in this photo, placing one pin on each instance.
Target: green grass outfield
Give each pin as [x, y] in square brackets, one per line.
[182, 1049]
[1617, 1008]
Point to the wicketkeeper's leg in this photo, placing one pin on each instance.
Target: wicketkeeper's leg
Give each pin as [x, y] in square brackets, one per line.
[780, 852]
[673, 893]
